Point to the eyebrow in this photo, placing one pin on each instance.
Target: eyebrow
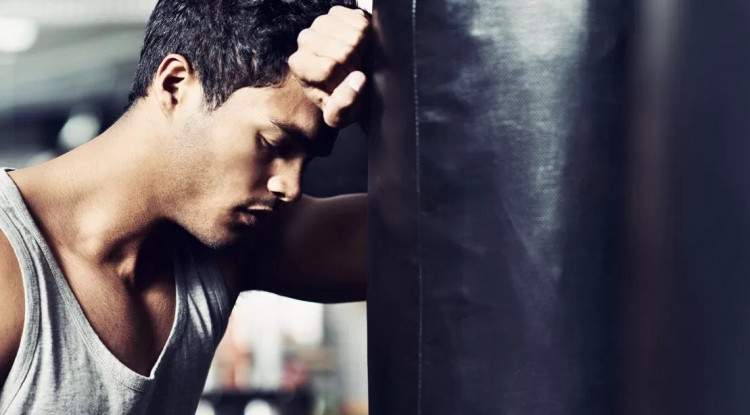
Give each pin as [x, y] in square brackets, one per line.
[319, 146]
[293, 131]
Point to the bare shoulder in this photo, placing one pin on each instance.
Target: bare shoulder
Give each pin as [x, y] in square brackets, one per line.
[11, 307]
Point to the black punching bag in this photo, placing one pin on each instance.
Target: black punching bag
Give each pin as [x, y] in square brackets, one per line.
[687, 284]
[496, 205]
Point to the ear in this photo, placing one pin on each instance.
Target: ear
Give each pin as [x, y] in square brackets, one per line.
[172, 83]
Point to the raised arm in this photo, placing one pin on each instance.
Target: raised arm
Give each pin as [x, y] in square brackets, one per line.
[321, 251]
[315, 252]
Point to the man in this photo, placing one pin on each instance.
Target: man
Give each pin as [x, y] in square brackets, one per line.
[120, 261]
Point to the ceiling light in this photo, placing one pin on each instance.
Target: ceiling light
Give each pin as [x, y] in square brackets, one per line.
[17, 35]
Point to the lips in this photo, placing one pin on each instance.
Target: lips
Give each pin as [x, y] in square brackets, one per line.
[261, 210]
[247, 218]
[253, 217]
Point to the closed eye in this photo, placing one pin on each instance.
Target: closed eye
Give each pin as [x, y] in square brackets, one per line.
[265, 143]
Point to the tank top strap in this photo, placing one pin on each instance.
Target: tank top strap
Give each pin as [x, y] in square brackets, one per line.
[204, 280]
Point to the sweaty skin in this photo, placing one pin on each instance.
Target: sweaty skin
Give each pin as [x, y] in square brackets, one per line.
[230, 177]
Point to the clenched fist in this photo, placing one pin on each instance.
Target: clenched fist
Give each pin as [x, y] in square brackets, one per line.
[328, 63]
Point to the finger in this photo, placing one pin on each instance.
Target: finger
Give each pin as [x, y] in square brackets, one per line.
[338, 107]
[316, 95]
[313, 70]
[323, 45]
[356, 18]
[343, 32]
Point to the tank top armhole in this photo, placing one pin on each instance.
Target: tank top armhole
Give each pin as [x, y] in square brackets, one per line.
[208, 269]
[30, 332]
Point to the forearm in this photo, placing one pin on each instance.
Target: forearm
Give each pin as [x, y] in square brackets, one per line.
[324, 247]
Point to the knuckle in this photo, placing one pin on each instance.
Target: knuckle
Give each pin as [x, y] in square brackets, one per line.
[359, 38]
[332, 120]
[316, 77]
[319, 21]
[329, 69]
[343, 55]
[292, 60]
[304, 36]
[296, 64]
[363, 25]
[338, 9]
[322, 73]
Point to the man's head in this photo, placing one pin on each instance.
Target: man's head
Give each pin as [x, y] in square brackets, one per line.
[236, 129]
[231, 44]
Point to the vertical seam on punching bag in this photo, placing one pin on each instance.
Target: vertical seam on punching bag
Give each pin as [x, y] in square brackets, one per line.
[419, 201]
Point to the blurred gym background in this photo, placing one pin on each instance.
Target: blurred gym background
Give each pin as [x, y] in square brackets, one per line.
[65, 71]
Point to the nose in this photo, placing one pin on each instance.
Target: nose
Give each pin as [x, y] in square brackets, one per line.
[286, 183]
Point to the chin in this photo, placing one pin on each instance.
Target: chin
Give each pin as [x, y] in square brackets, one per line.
[217, 235]
[220, 240]
[223, 232]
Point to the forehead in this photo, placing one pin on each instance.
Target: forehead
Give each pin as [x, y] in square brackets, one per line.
[285, 104]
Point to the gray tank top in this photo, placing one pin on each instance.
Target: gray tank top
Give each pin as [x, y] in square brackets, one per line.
[62, 367]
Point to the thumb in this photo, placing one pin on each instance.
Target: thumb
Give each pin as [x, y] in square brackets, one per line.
[337, 108]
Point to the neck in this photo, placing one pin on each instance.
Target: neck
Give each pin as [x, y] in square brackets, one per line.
[98, 204]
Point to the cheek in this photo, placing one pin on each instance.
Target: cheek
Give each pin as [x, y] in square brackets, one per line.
[236, 154]
[238, 164]
[239, 157]
[227, 148]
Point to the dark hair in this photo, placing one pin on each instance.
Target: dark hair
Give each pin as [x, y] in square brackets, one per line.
[230, 44]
